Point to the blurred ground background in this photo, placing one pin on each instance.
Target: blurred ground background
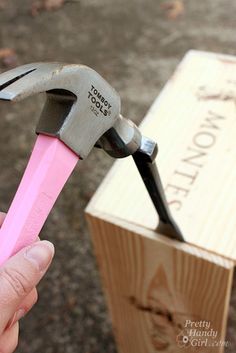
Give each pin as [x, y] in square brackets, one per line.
[136, 46]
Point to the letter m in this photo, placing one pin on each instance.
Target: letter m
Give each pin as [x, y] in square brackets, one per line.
[212, 120]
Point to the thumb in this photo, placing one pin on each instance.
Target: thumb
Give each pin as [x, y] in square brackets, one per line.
[20, 274]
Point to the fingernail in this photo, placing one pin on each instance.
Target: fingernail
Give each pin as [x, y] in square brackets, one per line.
[41, 254]
[16, 317]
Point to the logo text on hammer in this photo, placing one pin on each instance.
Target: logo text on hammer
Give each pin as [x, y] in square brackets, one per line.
[99, 102]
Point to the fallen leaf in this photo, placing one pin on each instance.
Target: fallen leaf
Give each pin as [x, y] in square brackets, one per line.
[173, 9]
[45, 5]
[8, 57]
[35, 8]
[2, 4]
[53, 4]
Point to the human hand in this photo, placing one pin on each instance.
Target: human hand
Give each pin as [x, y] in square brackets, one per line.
[18, 277]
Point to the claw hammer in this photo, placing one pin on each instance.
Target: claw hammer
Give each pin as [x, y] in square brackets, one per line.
[81, 111]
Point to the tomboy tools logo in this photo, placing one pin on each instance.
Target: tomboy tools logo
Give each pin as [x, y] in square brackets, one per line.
[198, 334]
[99, 103]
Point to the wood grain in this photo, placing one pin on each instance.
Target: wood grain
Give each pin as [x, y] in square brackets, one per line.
[153, 286]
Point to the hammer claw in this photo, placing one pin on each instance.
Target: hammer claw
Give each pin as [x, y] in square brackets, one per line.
[26, 80]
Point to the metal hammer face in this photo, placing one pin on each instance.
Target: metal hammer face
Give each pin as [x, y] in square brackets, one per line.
[80, 107]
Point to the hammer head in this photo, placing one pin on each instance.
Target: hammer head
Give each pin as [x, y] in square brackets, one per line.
[80, 107]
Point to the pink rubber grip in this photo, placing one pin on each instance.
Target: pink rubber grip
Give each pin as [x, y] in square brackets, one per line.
[49, 167]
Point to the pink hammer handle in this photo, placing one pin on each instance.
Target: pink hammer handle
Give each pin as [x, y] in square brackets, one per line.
[49, 167]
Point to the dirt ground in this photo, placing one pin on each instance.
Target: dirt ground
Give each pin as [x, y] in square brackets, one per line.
[136, 45]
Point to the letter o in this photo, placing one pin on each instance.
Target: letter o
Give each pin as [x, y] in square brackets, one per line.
[204, 139]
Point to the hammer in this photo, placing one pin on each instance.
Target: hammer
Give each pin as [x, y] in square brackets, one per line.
[81, 111]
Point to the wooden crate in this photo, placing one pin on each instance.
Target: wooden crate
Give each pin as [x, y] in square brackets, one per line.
[159, 290]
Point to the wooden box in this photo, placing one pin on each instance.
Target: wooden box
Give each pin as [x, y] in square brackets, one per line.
[164, 295]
